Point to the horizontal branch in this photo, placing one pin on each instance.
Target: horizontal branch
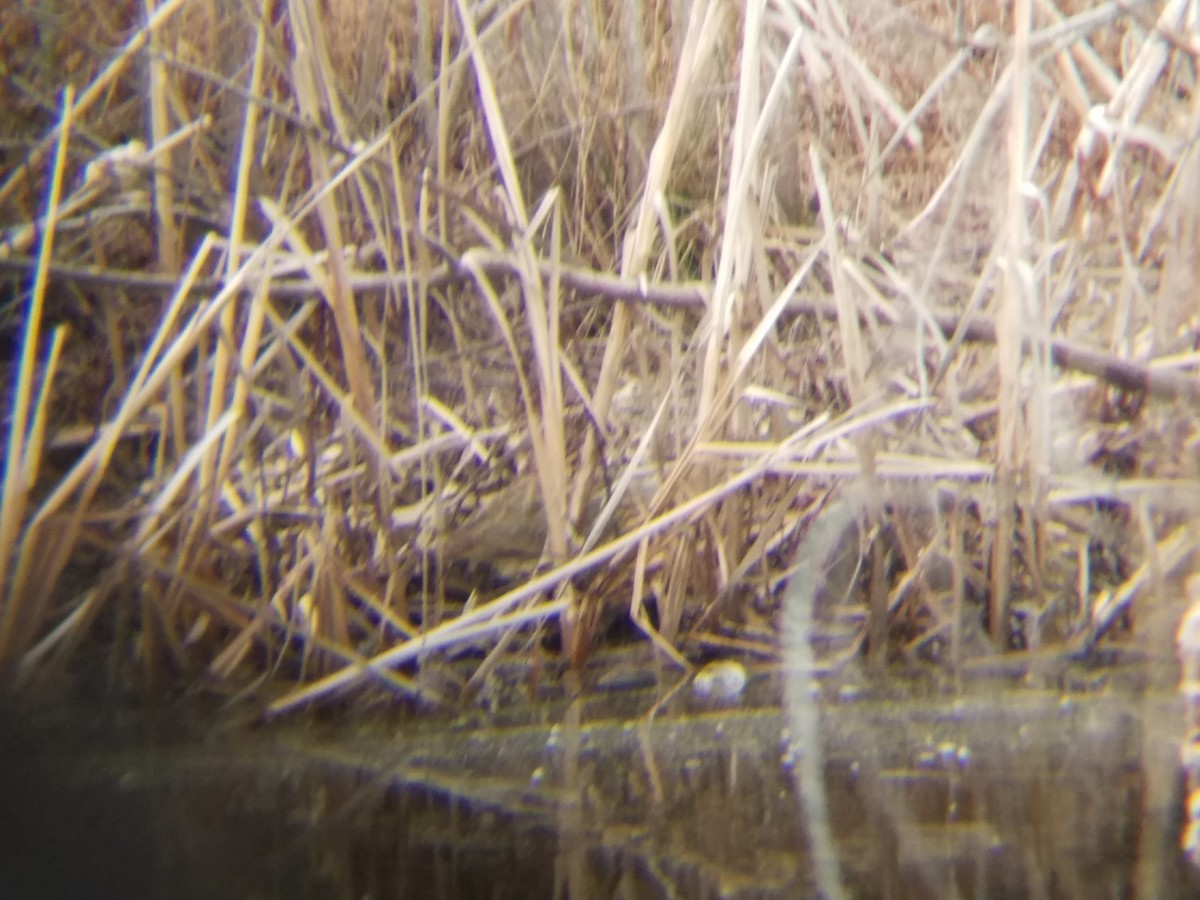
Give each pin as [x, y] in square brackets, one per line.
[1124, 374]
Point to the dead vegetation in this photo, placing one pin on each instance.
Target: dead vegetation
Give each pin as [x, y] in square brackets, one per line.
[328, 313]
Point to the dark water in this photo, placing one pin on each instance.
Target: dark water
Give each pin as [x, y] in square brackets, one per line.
[992, 793]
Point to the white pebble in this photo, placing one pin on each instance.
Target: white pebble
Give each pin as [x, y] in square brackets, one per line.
[721, 681]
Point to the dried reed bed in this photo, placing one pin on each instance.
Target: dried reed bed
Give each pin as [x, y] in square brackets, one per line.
[316, 303]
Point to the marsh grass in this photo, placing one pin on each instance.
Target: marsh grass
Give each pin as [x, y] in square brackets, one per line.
[298, 290]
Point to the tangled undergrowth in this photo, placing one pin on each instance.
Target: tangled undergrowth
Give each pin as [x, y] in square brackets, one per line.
[359, 339]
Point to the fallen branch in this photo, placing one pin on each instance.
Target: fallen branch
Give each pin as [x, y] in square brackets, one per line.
[1124, 374]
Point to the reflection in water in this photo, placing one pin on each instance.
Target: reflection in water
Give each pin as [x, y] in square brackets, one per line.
[1032, 795]
[1187, 643]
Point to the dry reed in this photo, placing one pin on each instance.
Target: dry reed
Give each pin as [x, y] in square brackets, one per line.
[678, 272]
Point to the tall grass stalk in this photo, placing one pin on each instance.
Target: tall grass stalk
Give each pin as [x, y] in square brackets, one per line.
[19, 621]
